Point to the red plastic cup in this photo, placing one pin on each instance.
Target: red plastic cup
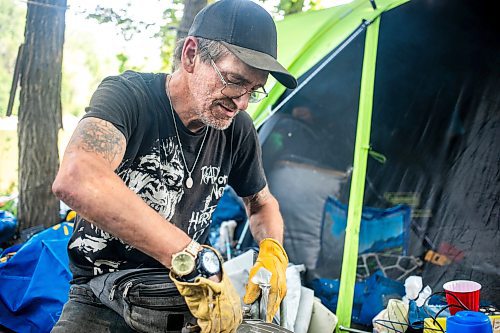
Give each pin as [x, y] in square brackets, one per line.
[466, 291]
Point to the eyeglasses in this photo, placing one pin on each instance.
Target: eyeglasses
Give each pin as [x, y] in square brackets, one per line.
[233, 90]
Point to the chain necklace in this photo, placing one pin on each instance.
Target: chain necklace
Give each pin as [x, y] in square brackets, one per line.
[189, 180]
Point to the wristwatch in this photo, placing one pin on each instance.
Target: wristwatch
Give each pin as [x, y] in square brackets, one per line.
[208, 263]
[187, 267]
[184, 262]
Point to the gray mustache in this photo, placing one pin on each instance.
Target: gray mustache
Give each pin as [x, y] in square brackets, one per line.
[228, 104]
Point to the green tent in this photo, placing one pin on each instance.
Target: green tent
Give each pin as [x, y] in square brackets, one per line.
[305, 39]
[425, 73]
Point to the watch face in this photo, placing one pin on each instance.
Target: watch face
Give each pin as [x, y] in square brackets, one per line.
[183, 264]
[210, 262]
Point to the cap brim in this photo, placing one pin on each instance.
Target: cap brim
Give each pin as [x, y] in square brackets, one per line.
[263, 61]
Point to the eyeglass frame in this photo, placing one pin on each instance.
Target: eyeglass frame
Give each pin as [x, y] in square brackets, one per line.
[226, 84]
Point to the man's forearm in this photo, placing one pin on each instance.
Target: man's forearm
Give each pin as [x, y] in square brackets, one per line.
[101, 196]
[264, 215]
[266, 226]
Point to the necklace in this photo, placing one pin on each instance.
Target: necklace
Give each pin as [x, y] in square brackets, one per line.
[189, 180]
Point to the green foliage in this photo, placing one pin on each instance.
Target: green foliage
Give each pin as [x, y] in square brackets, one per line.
[315, 4]
[8, 200]
[11, 36]
[10, 206]
[287, 7]
[123, 63]
[8, 167]
[129, 27]
[168, 33]
[122, 58]
[79, 59]
[120, 18]
[84, 66]
[68, 94]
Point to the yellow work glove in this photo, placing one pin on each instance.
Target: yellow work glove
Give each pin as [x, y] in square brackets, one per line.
[215, 305]
[272, 256]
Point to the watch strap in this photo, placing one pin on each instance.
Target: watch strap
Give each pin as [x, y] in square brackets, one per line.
[193, 248]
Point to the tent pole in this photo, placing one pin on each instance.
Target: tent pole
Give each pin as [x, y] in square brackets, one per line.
[361, 148]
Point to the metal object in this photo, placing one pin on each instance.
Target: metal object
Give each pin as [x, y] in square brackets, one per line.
[251, 311]
[242, 236]
[259, 326]
[264, 299]
[346, 329]
[254, 316]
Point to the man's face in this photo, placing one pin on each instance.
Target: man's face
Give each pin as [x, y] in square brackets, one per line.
[211, 106]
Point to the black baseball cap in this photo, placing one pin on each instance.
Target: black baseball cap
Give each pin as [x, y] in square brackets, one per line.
[247, 30]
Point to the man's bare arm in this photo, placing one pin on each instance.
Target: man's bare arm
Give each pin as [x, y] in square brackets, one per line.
[265, 218]
[87, 183]
[101, 138]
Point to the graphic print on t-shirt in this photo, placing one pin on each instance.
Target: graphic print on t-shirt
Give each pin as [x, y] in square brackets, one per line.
[92, 244]
[200, 220]
[157, 177]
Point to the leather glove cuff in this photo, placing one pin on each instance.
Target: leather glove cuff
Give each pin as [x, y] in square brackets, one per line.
[272, 246]
[215, 305]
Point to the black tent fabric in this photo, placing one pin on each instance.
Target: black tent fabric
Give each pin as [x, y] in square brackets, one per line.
[436, 119]
[437, 112]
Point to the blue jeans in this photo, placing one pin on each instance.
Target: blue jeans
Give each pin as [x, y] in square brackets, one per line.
[84, 313]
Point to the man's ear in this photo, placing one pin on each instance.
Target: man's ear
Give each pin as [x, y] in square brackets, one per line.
[189, 51]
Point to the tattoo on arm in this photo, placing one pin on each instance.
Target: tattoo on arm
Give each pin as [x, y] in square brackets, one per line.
[101, 137]
[265, 222]
[254, 201]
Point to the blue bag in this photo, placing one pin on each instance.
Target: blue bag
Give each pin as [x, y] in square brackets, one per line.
[34, 283]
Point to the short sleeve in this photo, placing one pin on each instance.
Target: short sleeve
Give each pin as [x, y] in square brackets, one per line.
[116, 101]
[247, 173]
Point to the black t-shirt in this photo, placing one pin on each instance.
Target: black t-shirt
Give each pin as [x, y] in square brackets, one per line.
[137, 105]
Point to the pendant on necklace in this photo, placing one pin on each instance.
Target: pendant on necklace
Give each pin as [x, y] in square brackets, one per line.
[189, 182]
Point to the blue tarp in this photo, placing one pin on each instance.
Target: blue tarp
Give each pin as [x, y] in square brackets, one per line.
[382, 232]
[34, 283]
[370, 296]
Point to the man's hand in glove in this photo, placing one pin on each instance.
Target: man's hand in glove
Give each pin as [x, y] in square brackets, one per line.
[215, 305]
[272, 256]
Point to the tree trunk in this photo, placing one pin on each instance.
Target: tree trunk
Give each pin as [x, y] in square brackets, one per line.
[191, 8]
[40, 112]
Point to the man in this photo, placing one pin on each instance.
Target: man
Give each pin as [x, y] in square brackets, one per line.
[148, 162]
